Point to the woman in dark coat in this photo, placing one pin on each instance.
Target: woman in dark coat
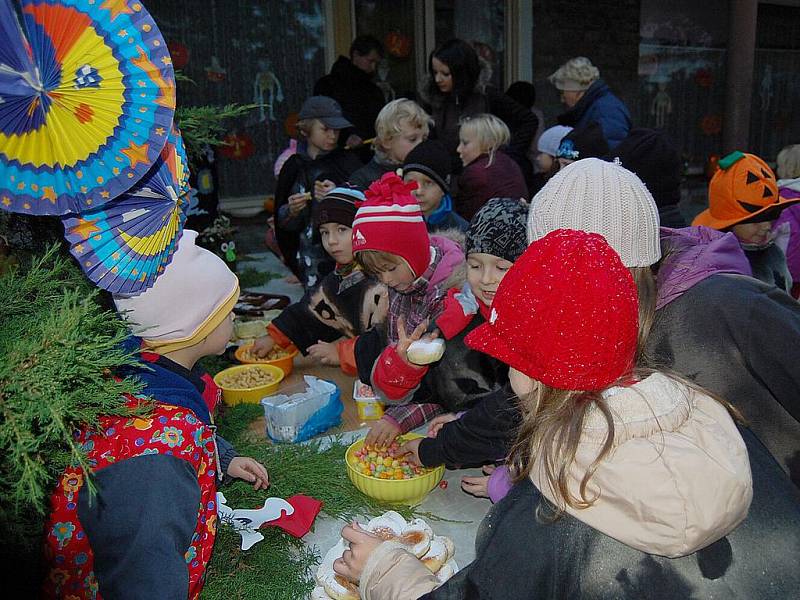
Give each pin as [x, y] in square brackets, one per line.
[588, 98]
[457, 89]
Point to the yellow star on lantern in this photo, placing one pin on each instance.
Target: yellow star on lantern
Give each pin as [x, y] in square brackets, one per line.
[136, 153]
[6, 201]
[104, 194]
[116, 7]
[160, 130]
[166, 60]
[48, 193]
[78, 248]
[84, 228]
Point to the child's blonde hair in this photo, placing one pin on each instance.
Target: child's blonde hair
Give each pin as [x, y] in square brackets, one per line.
[373, 261]
[391, 117]
[789, 162]
[489, 132]
[304, 126]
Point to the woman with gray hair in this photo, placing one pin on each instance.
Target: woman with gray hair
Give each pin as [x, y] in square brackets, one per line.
[588, 98]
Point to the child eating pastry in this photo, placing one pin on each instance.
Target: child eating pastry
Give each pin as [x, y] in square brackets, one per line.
[462, 378]
[326, 321]
[391, 242]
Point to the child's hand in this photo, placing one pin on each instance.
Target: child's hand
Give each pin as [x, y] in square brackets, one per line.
[404, 340]
[362, 544]
[436, 424]
[262, 346]
[352, 141]
[249, 469]
[297, 202]
[412, 449]
[322, 187]
[383, 433]
[326, 353]
[478, 486]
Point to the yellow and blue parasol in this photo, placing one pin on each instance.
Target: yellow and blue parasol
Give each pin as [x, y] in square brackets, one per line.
[125, 244]
[87, 97]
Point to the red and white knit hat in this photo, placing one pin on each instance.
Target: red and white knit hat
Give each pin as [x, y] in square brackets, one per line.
[390, 220]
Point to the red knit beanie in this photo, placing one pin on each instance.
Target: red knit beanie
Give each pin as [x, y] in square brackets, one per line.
[566, 314]
[390, 220]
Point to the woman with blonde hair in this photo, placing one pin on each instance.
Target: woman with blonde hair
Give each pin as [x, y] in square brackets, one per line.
[588, 98]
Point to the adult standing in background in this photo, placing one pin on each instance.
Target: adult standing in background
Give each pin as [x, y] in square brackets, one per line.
[588, 98]
[457, 88]
[351, 84]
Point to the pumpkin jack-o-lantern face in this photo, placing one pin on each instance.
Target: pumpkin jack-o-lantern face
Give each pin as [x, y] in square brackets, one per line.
[759, 190]
[743, 190]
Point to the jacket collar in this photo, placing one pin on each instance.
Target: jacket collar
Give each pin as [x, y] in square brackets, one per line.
[574, 114]
[692, 255]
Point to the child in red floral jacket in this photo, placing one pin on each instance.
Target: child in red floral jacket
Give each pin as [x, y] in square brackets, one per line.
[149, 530]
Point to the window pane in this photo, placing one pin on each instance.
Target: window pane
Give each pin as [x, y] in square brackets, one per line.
[482, 23]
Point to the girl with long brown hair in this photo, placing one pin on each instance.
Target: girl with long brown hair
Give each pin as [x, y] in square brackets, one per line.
[629, 483]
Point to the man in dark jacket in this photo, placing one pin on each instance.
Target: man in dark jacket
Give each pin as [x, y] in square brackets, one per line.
[350, 84]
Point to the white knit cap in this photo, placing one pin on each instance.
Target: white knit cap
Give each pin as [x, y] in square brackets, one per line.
[195, 293]
[551, 138]
[600, 197]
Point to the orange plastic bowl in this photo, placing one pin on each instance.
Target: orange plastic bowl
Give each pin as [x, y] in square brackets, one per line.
[286, 364]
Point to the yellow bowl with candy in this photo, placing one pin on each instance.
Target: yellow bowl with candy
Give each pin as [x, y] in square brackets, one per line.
[248, 384]
[402, 487]
[283, 358]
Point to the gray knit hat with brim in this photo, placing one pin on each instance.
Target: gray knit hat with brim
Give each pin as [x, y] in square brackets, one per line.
[498, 228]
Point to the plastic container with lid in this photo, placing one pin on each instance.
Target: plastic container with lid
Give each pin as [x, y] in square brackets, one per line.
[367, 403]
[303, 410]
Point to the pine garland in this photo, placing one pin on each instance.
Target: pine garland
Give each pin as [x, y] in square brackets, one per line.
[58, 348]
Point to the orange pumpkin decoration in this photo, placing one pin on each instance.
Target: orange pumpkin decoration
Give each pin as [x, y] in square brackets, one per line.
[743, 189]
[238, 146]
[178, 53]
[397, 44]
[290, 124]
[711, 124]
[704, 78]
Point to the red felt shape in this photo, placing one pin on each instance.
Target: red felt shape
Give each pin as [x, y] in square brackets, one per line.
[300, 521]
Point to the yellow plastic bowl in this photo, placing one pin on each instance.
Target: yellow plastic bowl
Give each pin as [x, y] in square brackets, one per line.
[400, 491]
[252, 395]
[286, 364]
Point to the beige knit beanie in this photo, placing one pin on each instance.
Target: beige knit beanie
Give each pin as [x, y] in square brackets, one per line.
[600, 197]
[195, 293]
[575, 75]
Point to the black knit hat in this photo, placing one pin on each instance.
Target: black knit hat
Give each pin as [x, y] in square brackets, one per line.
[337, 206]
[431, 159]
[587, 141]
[498, 228]
[654, 158]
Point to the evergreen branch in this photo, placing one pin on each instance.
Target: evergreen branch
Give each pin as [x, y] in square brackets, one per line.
[204, 125]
